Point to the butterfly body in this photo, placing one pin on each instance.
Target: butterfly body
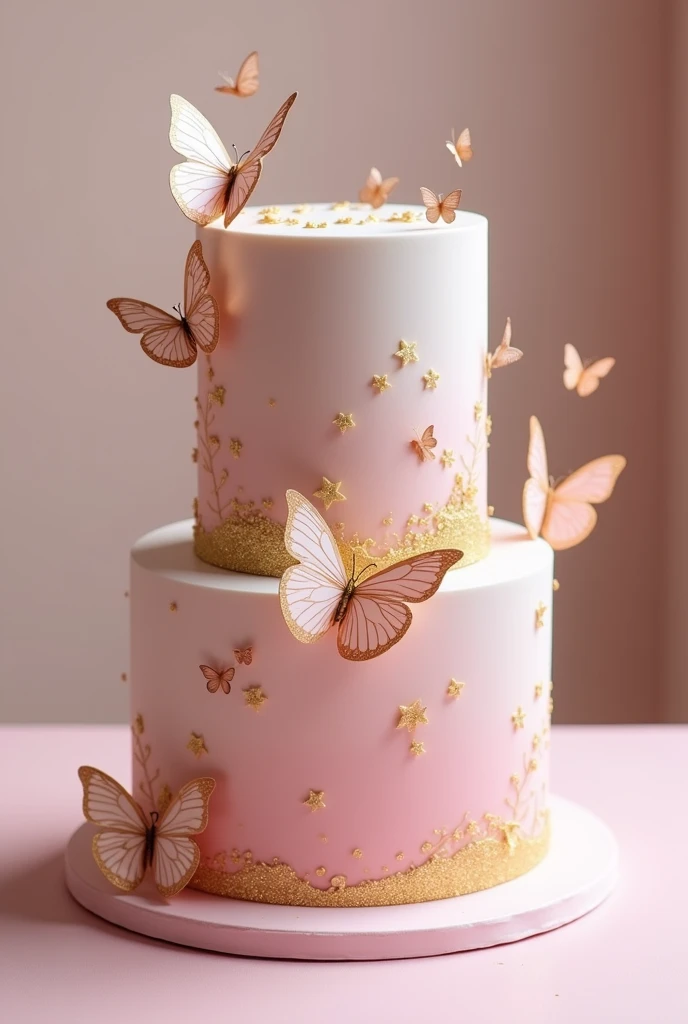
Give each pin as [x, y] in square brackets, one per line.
[149, 848]
[371, 615]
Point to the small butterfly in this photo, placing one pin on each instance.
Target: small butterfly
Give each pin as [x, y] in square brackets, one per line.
[376, 189]
[208, 185]
[584, 378]
[436, 206]
[215, 679]
[246, 83]
[243, 656]
[318, 593]
[504, 354]
[563, 513]
[174, 340]
[131, 841]
[423, 446]
[460, 148]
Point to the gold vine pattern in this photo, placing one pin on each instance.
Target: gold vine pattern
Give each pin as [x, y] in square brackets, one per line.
[142, 753]
[209, 447]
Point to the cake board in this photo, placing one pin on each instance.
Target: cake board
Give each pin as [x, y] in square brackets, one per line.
[578, 873]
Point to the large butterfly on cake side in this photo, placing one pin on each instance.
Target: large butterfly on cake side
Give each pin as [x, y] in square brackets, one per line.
[371, 614]
[130, 842]
[563, 513]
[209, 184]
[174, 340]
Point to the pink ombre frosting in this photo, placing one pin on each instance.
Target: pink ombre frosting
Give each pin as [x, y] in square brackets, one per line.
[308, 317]
[329, 725]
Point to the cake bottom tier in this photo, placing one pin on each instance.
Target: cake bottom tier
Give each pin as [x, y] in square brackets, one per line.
[419, 775]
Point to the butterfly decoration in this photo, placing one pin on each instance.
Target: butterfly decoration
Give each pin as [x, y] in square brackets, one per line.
[423, 446]
[581, 377]
[174, 340]
[244, 656]
[130, 841]
[563, 513]
[246, 82]
[377, 189]
[216, 680]
[504, 354]
[371, 614]
[436, 206]
[208, 184]
[460, 148]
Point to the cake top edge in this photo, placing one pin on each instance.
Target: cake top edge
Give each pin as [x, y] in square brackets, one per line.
[342, 220]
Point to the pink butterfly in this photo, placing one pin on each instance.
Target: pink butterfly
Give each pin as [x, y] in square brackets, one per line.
[318, 593]
[437, 206]
[171, 340]
[584, 377]
[246, 83]
[129, 842]
[563, 513]
[504, 354]
[216, 679]
[208, 185]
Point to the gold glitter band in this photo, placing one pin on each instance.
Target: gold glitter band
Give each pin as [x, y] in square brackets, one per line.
[479, 865]
[250, 541]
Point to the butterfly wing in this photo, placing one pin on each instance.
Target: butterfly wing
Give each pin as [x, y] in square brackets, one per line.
[369, 192]
[273, 131]
[591, 376]
[573, 367]
[432, 204]
[377, 616]
[311, 591]
[449, 205]
[504, 354]
[215, 679]
[384, 190]
[571, 517]
[119, 849]
[246, 83]
[200, 309]
[536, 490]
[244, 656]
[464, 150]
[164, 338]
[176, 856]
[200, 185]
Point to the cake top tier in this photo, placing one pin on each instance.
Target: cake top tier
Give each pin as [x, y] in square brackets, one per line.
[342, 220]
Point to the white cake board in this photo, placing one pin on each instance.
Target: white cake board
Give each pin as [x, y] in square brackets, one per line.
[578, 873]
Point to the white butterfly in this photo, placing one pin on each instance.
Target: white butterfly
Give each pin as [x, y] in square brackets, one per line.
[318, 593]
[208, 184]
[129, 843]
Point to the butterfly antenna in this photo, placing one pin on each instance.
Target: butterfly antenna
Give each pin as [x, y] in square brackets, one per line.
[154, 817]
[243, 155]
[236, 152]
[371, 565]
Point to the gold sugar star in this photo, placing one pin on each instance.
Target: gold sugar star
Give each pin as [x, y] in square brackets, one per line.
[519, 718]
[416, 748]
[447, 458]
[411, 715]
[430, 379]
[454, 689]
[344, 420]
[329, 492]
[315, 800]
[380, 382]
[196, 745]
[254, 697]
[407, 352]
[538, 690]
[540, 615]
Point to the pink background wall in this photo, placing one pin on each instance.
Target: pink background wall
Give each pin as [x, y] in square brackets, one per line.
[578, 111]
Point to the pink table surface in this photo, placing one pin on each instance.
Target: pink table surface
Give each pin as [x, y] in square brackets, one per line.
[625, 962]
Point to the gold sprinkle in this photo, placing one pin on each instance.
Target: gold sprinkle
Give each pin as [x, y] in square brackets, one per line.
[323, 224]
[173, 606]
[380, 383]
[399, 856]
[270, 211]
[490, 510]
[430, 380]
[123, 677]
[267, 503]
[272, 402]
[323, 839]
[254, 697]
[427, 507]
[426, 847]
[533, 764]
[329, 492]
[303, 208]
[342, 204]
[388, 520]
[292, 222]
[540, 615]
[447, 458]
[344, 220]
[338, 882]
[477, 411]
[473, 828]
[555, 585]
[235, 447]
[357, 853]
[417, 748]
[488, 426]
[536, 741]
[268, 218]
[197, 745]
[538, 691]
[344, 420]
[385, 868]
[214, 441]
[138, 724]
[320, 871]
[412, 715]
[315, 800]
[218, 395]
[194, 454]
[518, 718]
[454, 688]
